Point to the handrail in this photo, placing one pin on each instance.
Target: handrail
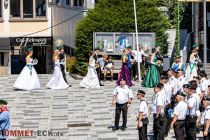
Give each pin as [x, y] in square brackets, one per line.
[186, 49]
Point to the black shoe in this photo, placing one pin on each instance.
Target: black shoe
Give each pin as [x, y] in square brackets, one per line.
[70, 85]
[123, 128]
[115, 128]
[101, 85]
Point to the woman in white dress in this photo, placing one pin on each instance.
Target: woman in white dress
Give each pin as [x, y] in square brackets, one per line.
[91, 79]
[191, 70]
[28, 78]
[57, 81]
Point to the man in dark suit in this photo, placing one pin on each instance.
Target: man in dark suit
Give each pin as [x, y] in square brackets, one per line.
[60, 46]
[98, 68]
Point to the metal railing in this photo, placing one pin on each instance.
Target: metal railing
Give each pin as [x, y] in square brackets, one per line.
[186, 49]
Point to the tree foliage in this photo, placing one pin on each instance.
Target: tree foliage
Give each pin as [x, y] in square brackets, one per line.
[118, 16]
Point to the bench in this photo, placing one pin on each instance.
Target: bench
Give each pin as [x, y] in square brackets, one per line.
[117, 67]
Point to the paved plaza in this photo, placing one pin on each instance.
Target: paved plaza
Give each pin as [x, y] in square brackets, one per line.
[78, 114]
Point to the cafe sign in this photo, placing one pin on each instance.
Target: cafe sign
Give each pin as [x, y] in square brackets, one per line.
[31, 41]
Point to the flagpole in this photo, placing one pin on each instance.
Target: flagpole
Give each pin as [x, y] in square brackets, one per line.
[137, 41]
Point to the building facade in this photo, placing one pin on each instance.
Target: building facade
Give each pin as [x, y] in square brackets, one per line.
[25, 23]
[67, 13]
[37, 23]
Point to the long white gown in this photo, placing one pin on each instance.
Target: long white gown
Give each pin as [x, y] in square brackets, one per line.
[57, 81]
[191, 70]
[28, 78]
[91, 79]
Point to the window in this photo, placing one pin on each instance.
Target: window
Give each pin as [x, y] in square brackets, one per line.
[63, 2]
[30, 9]
[40, 8]
[78, 2]
[0, 9]
[1, 58]
[14, 8]
[27, 9]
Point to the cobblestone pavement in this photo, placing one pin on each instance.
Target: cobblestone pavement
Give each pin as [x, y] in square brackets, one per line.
[60, 110]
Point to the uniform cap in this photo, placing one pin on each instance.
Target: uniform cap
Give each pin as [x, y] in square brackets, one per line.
[192, 87]
[3, 102]
[186, 85]
[141, 92]
[172, 70]
[159, 85]
[181, 94]
[129, 47]
[164, 77]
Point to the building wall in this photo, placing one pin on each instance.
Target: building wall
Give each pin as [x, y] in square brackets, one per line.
[66, 30]
[19, 27]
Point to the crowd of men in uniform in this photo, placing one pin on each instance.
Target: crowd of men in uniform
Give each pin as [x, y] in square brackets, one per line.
[183, 106]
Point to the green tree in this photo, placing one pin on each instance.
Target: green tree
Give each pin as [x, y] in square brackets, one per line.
[118, 16]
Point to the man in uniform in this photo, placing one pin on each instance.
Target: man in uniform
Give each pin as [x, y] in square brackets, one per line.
[159, 102]
[192, 113]
[203, 84]
[142, 115]
[205, 120]
[181, 79]
[122, 98]
[4, 119]
[98, 69]
[180, 112]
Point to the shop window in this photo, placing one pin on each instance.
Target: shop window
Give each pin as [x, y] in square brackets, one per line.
[63, 2]
[14, 8]
[30, 9]
[40, 8]
[1, 58]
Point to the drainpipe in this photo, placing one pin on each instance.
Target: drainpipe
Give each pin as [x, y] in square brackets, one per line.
[196, 23]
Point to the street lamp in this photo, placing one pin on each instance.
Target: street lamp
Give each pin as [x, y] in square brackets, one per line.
[137, 41]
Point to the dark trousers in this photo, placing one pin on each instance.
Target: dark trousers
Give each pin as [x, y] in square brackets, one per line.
[134, 71]
[159, 127]
[168, 120]
[63, 73]
[98, 70]
[121, 108]
[206, 137]
[143, 132]
[179, 130]
[190, 128]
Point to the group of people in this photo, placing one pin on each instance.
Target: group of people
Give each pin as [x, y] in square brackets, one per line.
[28, 78]
[182, 106]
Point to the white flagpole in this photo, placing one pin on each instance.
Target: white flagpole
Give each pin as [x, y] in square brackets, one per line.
[137, 41]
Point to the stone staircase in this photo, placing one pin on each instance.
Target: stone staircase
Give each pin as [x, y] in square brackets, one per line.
[208, 61]
[60, 110]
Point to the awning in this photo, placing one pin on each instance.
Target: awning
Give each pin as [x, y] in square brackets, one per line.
[5, 44]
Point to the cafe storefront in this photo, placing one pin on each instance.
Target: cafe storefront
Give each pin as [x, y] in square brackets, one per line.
[42, 51]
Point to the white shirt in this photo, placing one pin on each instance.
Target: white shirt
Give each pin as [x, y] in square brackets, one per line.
[159, 100]
[138, 55]
[143, 107]
[205, 115]
[181, 83]
[194, 102]
[168, 92]
[204, 85]
[181, 110]
[174, 84]
[122, 94]
[198, 90]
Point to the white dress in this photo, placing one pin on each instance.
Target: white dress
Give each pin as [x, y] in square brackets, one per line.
[28, 78]
[191, 70]
[91, 79]
[57, 81]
